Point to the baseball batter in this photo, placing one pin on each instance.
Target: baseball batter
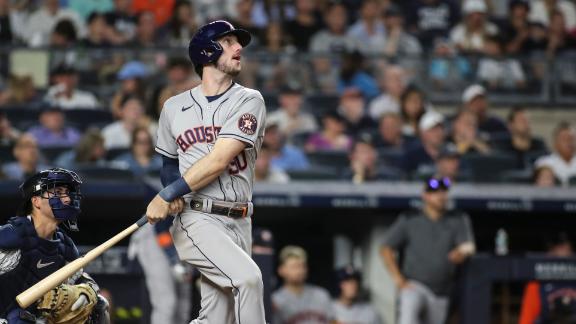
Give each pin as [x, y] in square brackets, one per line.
[209, 137]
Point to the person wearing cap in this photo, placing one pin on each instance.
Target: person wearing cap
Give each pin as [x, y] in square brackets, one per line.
[433, 240]
[52, 131]
[465, 136]
[448, 165]
[290, 117]
[422, 154]
[399, 43]
[131, 77]
[64, 93]
[284, 156]
[474, 99]
[298, 302]
[470, 33]
[348, 305]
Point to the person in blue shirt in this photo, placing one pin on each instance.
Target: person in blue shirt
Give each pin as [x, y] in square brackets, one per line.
[141, 159]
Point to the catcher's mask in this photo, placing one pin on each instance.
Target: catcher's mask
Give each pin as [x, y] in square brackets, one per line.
[48, 181]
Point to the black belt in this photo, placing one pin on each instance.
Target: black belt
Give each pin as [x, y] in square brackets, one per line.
[239, 210]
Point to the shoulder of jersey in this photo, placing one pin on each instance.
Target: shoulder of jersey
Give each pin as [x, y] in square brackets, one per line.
[248, 92]
[179, 101]
[14, 232]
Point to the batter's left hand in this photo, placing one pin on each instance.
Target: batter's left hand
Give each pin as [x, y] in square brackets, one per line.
[157, 210]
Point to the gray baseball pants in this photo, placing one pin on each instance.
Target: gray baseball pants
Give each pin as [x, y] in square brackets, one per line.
[419, 305]
[220, 248]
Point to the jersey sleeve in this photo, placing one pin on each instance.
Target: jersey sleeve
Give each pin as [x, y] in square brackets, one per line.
[246, 123]
[166, 143]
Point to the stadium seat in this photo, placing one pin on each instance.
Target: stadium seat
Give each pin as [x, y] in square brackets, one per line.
[319, 105]
[6, 154]
[21, 117]
[390, 157]
[51, 153]
[85, 118]
[330, 160]
[104, 173]
[489, 168]
[315, 173]
[113, 153]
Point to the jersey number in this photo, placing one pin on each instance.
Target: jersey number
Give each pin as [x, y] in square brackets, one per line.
[238, 164]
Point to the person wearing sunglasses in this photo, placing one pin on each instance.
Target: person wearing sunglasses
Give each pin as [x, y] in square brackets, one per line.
[433, 241]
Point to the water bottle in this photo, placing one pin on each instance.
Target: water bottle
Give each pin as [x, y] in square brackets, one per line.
[501, 242]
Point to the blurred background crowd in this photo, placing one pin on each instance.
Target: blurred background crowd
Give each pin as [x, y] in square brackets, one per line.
[355, 90]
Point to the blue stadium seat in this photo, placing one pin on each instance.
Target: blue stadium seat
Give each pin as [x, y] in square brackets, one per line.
[113, 153]
[85, 118]
[97, 173]
[489, 168]
[314, 173]
[330, 160]
[51, 153]
[319, 105]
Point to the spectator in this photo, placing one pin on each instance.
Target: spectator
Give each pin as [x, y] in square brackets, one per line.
[305, 24]
[63, 35]
[353, 76]
[141, 159]
[27, 159]
[393, 82]
[543, 11]
[521, 142]
[465, 137]
[244, 20]
[474, 99]
[364, 164]
[369, 28]
[516, 30]
[390, 133]
[412, 108]
[333, 39]
[20, 92]
[498, 71]
[119, 133]
[52, 131]
[161, 10]
[284, 156]
[182, 24]
[447, 68]
[348, 308]
[264, 172]
[8, 23]
[297, 302]
[421, 155]
[448, 165]
[544, 177]
[180, 79]
[100, 34]
[352, 107]
[431, 20]
[41, 22]
[63, 92]
[122, 20]
[425, 277]
[86, 7]
[131, 76]
[559, 39]
[398, 43]
[332, 137]
[468, 36]
[563, 160]
[290, 118]
[89, 150]
[8, 134]
[146, 32]
[547, 301]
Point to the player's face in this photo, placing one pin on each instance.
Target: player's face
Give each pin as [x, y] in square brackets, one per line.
[43, 204]
[294, 271]
[229, 61]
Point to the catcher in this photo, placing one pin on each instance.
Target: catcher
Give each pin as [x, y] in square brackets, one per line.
[32, 246]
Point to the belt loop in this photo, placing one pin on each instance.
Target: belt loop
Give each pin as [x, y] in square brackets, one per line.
[250, 209]
[207, 205]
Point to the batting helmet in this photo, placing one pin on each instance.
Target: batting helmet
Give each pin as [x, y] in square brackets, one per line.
[204, 47]
[50, 179]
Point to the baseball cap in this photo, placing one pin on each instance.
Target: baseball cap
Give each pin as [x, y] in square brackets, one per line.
[430, 119]
[346, 273]
[472, 92]
[63, 69]
[292, 251]
[437, 184]
[132, 70]
[471, 6]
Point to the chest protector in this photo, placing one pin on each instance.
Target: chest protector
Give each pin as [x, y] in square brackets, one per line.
[38, 259]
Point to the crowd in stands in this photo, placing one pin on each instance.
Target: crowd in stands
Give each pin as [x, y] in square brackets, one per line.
[354, 109]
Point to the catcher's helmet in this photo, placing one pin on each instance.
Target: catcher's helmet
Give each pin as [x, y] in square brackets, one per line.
[45, 180]
[204, 48]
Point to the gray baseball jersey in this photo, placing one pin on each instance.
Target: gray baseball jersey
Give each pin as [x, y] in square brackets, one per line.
[190, 125]
[312, 306]
[357, 313]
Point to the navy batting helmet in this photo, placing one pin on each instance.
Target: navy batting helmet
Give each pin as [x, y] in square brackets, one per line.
[204, 47]
[49, 179]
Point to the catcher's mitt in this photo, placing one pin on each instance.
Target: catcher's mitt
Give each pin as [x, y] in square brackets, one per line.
[63, 304]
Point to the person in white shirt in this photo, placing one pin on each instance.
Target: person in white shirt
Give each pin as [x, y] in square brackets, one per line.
[41, 22]
[468, 36]
[64, 94]
[119, 133]
[563, 160]
[393, 83]
[541, 11]
[290, 118]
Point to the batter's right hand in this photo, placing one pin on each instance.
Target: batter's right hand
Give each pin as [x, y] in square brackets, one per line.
[176, 206]
[157, 210]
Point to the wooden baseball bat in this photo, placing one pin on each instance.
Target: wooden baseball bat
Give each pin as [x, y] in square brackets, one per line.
[32, 294]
